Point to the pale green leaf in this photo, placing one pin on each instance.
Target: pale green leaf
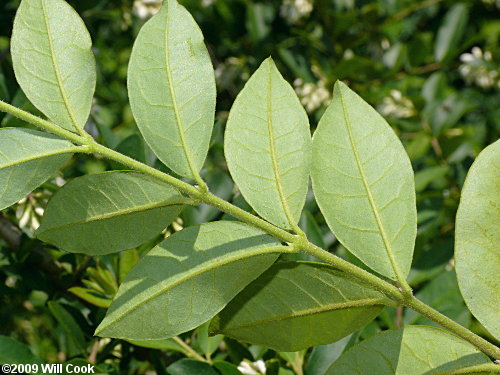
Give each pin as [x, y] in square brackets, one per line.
[108, 212]
[53, 61]
[91, 296]
[295, 305]
[363, 183]
[477, 239]
[450, 32]
[27, 159]
[187, 279]
[268, 146]
[412, 350]
[171, 87]
[207, 344]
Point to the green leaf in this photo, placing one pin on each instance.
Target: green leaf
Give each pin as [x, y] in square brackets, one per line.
[226, 368]
[197, 271]
[128, 259]
[424, 177]
[268, 146]
[53, 61]
[443, 294]
[171, 87]
[69, 325]
[27, 159]
[90, 296]
[412, 350]
[14, 352]
[363, 182]
[109, 212]
[295, 305]
[167, 344]
[477, 239]
[322, 357]
[450, 32]
[208, 344]
[188, 366]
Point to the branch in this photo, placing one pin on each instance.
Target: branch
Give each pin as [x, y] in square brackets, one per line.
[297, 242]
[10, 233]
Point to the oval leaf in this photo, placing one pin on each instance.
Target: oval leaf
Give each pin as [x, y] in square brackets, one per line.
[27, 159]
[108, 212]
[53, 61]
[412, 350]
[171, 86]
[268, 146]
[477, 239]
[196, 271]
[295, 305]
[363, 182]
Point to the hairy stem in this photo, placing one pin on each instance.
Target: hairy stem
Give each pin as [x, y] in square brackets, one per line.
[488, 367]
[444, 321]
[297, 242]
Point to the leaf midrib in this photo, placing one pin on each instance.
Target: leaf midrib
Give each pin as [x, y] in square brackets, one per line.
[272, 147]
[145, 207]
[56, 69]
[371, 200]
[311, 311]
[178, 119]
[39, 156]
[196, 271]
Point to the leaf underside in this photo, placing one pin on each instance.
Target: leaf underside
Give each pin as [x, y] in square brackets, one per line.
[412, 350]
[27, 159]
[268, 146]
[477, 239]
[171, 86]
[187, 279]
[53, 61]
[363, 182]
[109, 212]
[295, 305]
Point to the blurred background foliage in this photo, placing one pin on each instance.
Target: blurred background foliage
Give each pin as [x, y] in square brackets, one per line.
[430, 67]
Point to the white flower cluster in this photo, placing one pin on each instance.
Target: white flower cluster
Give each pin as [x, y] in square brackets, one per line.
[30, 209]
[294, 10]
[207, 3]
[396, 105]
[313, 95]
[145, 9]
[29, 212]
[252, 368]
[478, 68]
